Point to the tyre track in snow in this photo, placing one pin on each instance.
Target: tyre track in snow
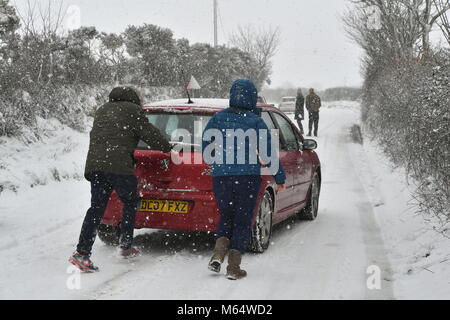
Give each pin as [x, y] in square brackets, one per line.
[346, 266]
[340, 149]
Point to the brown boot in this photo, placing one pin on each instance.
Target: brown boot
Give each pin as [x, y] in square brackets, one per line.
[234, 271]
[220, 251]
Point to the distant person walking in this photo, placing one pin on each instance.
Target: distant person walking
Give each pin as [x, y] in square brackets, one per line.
[118, 127]
[313, 105]
[236, 185]
[300, 109]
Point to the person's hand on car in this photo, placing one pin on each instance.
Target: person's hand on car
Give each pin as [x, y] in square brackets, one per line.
[281, 188]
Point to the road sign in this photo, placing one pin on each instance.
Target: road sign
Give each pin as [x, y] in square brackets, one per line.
[193, 84]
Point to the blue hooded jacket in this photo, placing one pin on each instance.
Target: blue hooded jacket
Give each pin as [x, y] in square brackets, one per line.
[244, 115]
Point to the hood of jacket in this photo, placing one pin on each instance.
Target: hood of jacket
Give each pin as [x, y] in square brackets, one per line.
[126, 94]
[243, 95]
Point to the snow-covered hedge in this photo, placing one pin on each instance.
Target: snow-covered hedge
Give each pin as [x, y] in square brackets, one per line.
[407, 108]
[71, 105]
[55, 122]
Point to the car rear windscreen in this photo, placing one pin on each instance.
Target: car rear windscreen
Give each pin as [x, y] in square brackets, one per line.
[174, 125]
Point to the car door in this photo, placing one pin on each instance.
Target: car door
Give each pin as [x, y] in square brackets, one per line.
[288, 148]
[294, 158]
[304, 172]
[283, 198]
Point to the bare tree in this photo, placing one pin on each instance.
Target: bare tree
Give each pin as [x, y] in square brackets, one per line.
[404, 22]
[261, 44]
[41, 21]
[427, 13]
[443, 22]
[398, 32]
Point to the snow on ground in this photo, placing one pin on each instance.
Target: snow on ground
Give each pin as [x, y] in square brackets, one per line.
[58, 154]
[364, 220]
[420, 257]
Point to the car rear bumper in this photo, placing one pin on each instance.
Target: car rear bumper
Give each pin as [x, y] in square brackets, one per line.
[203, 215]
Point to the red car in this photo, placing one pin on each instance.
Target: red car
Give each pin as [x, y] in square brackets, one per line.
[180, 197]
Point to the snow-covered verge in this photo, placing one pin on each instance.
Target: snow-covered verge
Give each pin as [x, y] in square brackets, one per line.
[419, 255]
[28, 161]
[342, 104]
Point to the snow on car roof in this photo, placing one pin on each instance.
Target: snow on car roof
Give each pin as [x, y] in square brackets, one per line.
[198, 103]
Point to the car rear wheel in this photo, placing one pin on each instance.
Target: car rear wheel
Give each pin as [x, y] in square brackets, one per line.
[109, 235]
[311, 210]
[262, 230]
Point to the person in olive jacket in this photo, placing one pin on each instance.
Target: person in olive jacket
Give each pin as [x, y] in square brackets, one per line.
[313, 105]
[118, 127]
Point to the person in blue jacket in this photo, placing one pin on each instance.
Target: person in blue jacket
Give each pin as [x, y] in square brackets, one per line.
[236, 185]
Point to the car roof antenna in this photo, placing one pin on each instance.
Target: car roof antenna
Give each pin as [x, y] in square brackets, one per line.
[186, 86]
[192, 85]
[189, 97]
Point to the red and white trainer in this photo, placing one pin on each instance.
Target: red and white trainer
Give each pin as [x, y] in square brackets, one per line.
[83, 262]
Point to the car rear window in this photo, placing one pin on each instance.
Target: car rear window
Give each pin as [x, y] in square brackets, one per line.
[169, 123]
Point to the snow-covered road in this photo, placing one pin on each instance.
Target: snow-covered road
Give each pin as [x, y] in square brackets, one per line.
[325, 259]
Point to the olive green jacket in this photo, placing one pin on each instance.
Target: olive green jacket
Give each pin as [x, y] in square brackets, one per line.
[313, 102]
[118, 127]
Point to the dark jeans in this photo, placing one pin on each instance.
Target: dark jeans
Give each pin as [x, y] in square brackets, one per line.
[314, 121]
[300, 125]
[102, 185]
[236, 198]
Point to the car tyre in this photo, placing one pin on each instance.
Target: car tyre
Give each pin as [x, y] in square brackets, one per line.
[262, 229]
[311, 211]
[109, 235]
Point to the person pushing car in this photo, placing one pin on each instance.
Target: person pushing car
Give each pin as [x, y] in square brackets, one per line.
[236, 185]
[118, 127]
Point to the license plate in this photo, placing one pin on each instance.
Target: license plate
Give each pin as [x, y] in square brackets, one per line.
[166, 206]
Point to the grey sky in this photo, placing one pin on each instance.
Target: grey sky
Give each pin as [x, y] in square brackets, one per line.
[314, 50]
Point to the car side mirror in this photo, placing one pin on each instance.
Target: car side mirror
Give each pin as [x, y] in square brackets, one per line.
[310, 144]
